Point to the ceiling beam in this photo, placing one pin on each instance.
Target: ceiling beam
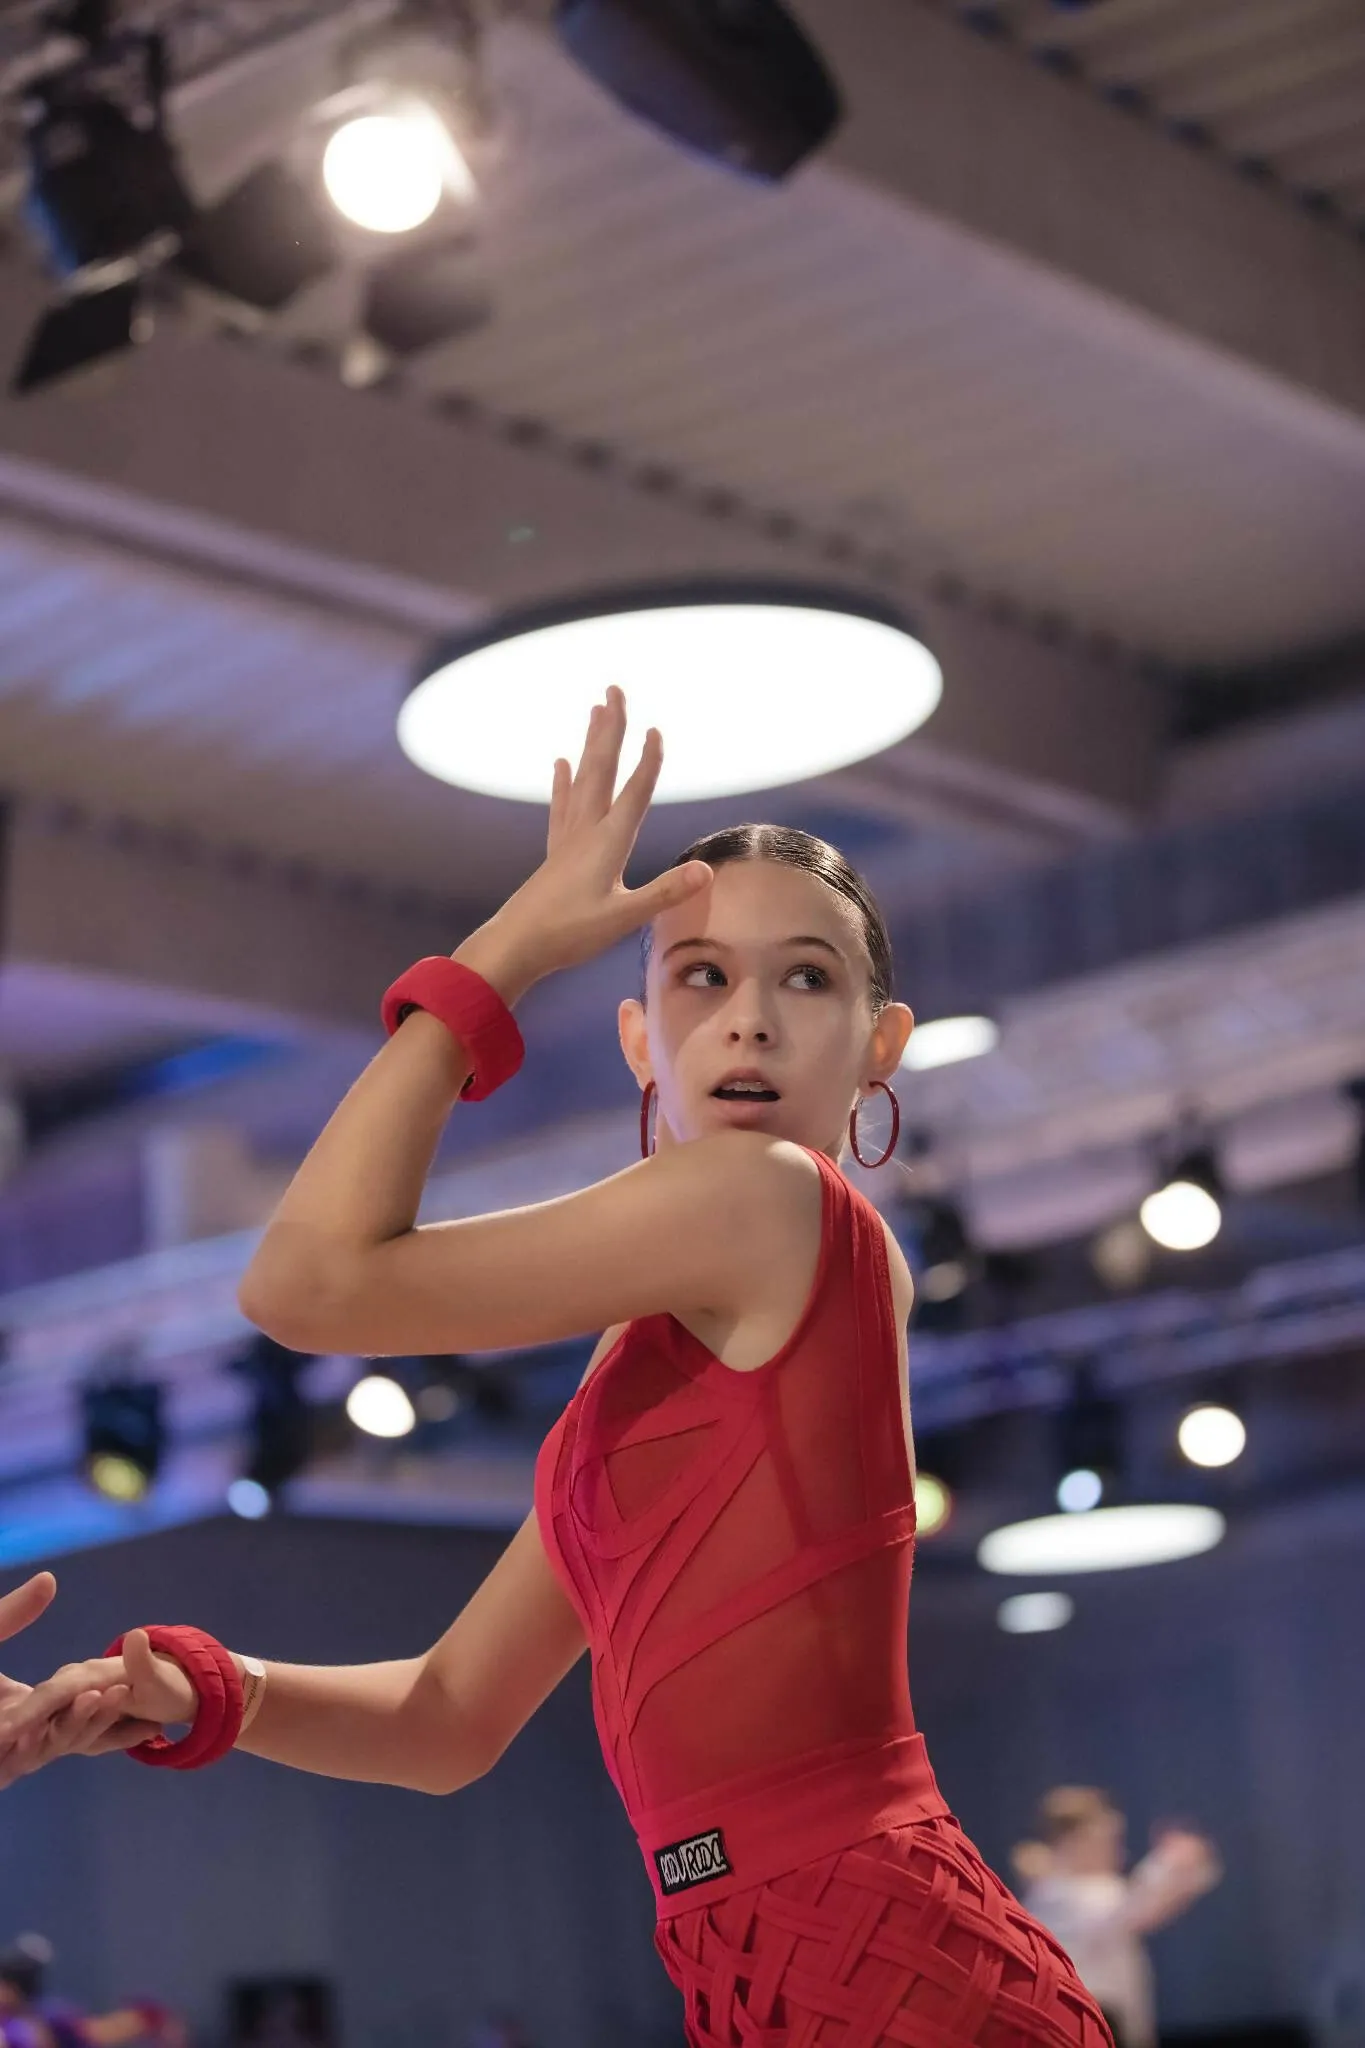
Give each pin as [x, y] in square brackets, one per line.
[971, 131]
[231, 458]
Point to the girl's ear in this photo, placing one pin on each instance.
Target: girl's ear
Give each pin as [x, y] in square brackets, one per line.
[890, 1037]
[633, 1027]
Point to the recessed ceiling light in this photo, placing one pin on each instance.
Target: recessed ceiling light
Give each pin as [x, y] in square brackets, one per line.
[1106, 1540]
[946, 1040]
[752, 687]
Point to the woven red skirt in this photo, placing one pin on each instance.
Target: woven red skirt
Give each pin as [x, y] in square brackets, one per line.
[908, 1939]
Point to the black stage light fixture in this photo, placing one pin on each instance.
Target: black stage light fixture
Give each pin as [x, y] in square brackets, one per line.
[105, 199]
[280, 1422]
[422, 296]
[108, 205]
[262, 243]
[124, 1436]
[80, 332]
[1089, 1446]
[736, 80]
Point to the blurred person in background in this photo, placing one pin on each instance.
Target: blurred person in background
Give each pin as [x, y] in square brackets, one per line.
[1074, 1882]
[29, 2019]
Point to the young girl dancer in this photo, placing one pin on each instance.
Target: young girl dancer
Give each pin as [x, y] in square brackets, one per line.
[724, 1513]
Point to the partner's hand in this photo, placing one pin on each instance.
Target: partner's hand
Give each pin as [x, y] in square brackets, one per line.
[576, 903]
[88, 1709]
[18, 1610]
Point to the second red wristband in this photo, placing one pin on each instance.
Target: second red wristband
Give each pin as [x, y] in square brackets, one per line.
[218, 1720]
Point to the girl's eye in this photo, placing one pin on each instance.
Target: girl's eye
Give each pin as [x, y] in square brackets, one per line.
[714, 977]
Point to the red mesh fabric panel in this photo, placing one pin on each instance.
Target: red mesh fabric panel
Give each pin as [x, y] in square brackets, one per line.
[738, 1543]
[739, 1547]
[909, 1939]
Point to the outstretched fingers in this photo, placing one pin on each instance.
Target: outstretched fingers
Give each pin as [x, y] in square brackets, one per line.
[25, 1604]
[595, 782]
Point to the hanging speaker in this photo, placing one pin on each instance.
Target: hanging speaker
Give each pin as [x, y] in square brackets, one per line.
[736, 80]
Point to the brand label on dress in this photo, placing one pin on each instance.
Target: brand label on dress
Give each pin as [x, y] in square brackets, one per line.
[695, 1861]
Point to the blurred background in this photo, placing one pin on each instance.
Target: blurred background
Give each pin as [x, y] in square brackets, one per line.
[1046, 335]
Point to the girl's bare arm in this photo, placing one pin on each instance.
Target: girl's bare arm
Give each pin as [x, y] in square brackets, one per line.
[431, 1723]
[437, 1722]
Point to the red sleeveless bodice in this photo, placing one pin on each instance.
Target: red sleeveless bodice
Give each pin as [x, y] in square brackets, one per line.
[739, 1547]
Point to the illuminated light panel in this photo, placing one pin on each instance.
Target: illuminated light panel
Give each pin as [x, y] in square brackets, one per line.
[1106, 1540]
[751, 688]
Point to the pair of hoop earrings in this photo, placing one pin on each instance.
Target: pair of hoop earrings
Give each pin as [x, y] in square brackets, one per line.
[647, 1135]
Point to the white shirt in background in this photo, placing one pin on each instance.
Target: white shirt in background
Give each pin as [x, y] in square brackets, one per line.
[1096, 1917]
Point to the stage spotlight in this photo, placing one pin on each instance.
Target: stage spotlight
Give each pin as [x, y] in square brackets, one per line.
[104, 196]
[81, 331]
[933, 1504]
[389, 171]
[124, 1437]
[108, 205]
[737, 82]
[419, 297]
[380, 1407]
[1089, 1447]
[942, 1252]
[1211, 1436]
[262, 243]
[279, 1421]
[1185, 1213]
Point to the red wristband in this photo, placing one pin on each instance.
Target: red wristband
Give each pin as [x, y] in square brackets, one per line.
[218, 1718]
[471, 1010]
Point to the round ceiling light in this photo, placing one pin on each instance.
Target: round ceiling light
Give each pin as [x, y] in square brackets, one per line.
[1105, 1540]
[1212, 1436]
[752, 688]
[946, 1040]
[388, 171]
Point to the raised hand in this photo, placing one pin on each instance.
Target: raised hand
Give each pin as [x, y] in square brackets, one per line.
[17, 1611]
[576, 903]
[91, 1708]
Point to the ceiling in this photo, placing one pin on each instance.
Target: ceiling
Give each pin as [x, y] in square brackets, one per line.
[1019, 351]
[1276, 87]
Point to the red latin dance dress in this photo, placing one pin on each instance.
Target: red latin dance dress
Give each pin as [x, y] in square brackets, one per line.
[739, 1547]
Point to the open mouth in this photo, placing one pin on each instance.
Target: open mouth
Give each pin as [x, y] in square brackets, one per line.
[739, 1092]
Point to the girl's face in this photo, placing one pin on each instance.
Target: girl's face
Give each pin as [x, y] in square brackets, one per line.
[764, 979]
